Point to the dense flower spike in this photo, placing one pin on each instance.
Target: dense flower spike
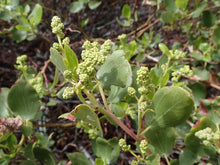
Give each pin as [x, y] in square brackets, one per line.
[131, 91]
[123, 145]
[57, 26]
[143, 76]
[143, 146]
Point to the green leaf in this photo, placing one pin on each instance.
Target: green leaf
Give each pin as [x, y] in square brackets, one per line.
[203, 74]
[182, 4]
[28, 162]
[170, 5]
[188, 157]
[192, 142]
[208, 18]
[117, 110]
[198, 11]
[44, 156]
[57, 59]
[98, 161]
[36, 14]
[172, 106]
[87, 114]
[164, 48]
[23, 100]
[198, 56]
[19, 35]
[75, 7]
[115, 71]
[162, 139]
[126, 11]
[216, 35]
[116, 94]
[198, 91]
[78, 158]
[3, 102]
[83, 23]
[108, 150]
[167, 17]
[27, 128]
[22, 27]
[153, 159]
[94, 4]
[71, 58]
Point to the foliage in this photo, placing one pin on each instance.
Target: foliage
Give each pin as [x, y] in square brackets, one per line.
[166, 103]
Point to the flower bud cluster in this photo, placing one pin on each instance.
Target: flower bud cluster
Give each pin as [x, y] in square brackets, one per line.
[144, 80]
[131, 91]
[185, 70]
[88, 128]
[57, 26]
[21, 63]
[143, 146]
[68, 74]
[37, 83]
[123, 145]
[68, 92]
[131, 112]
[177, 54]
[208, 137]
[122, 37]
[92, 55]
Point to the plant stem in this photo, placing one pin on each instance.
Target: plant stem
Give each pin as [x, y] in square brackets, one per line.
[103, 98]
[167, 160]
[144, 131]
[139, 115]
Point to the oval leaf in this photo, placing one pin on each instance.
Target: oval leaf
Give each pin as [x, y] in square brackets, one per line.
[126, 11]
[115, 71]
[44, 155]
[78, 158]
[23, 100]
[172, 105]
[3, 102]
[71, 58]
[57, 59]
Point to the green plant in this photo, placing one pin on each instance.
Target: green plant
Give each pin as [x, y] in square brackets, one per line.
[25, 19]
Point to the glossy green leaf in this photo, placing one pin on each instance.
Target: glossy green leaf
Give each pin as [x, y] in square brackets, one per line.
[23, 100]
[94, 4]
[107, 150]
[208, 18]
[3, 102]
[182, 4]
[27, 128]
[57, 59]
[19, 35]
[162, 139]
[72, 63]
[44, 156]
[75, 7]
[115, 71]
[78, 158]
[36, 13]
[126, 11]
[172, 106]
[198, 91]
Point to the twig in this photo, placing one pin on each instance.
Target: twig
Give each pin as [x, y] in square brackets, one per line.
[43, 72]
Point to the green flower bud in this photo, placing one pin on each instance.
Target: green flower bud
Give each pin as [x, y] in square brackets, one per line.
[66, 41]
[123, 145]
[68, 92]
[142, 90]
[68, 74]
[131, 91]
[143, 146]
[57, 46]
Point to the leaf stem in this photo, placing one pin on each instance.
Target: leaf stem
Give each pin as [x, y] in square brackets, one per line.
[144, 131]
[167, 160]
